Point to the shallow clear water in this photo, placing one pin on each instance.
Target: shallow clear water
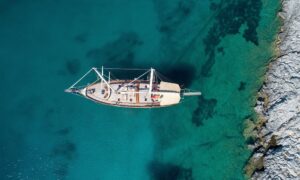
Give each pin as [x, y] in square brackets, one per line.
[221, 48]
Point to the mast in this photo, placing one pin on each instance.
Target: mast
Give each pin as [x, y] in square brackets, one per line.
[102, 78]
[151, 79]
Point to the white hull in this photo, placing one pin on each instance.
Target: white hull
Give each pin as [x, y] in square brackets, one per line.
[135, 95]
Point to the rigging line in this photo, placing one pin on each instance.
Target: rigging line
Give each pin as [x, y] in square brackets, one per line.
[126, 69]
[112, 76]
[80, 78]
[135, 79]
[105, 76]
[139, 77]
[164, 77]
[158, 77]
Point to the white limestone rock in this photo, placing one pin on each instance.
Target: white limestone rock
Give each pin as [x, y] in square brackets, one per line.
[283, 110]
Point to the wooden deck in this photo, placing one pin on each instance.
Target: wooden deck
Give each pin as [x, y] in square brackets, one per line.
[133, 95]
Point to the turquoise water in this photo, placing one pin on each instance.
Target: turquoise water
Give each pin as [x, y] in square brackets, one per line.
[219, 47]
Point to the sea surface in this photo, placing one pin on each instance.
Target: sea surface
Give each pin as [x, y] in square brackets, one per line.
[220, 47]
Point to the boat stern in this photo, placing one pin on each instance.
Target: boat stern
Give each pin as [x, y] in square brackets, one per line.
[169, 93]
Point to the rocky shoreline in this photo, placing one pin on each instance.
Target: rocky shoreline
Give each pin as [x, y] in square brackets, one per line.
[277, 145]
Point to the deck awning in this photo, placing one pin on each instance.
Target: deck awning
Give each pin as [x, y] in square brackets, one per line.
[166, 86]
[168, 98]
[171, 95]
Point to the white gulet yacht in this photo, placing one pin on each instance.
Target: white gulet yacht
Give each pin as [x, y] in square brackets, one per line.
[146, 91]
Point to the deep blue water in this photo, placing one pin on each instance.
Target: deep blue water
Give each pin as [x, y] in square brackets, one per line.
[46, 45]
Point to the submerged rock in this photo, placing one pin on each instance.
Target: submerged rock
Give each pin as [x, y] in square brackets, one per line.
[256, 164]
[280, 143]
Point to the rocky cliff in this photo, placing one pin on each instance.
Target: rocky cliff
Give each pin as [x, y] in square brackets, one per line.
[277, 150]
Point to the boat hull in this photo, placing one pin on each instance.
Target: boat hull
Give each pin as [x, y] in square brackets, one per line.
[133, 95]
